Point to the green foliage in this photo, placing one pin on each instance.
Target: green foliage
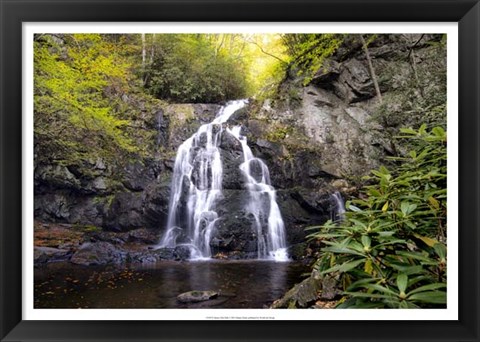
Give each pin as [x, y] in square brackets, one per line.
[309, 51]
[74, 116]
[390, 251]
[192, 68]
[279, 133]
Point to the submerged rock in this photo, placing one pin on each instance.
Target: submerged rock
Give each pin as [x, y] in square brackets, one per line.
[196, 296]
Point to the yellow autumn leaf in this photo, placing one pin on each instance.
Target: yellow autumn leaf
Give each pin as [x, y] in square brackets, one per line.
[385, 207]
[434, 203]
[368, 266]
[429, 241]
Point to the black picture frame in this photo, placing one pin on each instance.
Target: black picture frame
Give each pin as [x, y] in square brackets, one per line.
[14, 12]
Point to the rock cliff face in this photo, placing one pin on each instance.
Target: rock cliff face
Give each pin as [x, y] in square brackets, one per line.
[121, 196]
[315, 139]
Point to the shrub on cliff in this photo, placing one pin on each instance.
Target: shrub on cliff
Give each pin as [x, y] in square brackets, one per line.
[390, 251]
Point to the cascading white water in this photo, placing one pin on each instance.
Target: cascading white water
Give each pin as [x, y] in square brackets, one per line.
[262, 203]
[338, 213]
[198, 175]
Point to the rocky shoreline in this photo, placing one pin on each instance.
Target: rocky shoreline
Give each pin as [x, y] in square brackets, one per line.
[89, 246]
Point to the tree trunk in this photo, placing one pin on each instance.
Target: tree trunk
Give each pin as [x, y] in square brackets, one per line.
[372, 71]
[144, 51]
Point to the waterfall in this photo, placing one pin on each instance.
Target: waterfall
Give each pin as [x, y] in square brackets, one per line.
[338, 207]
[197, 181]
[262, 203]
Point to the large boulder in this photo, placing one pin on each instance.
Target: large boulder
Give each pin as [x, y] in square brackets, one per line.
[98, 253]
[309, 291]
[43, 255]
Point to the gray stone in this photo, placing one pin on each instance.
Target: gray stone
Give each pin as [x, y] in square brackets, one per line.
[57, 175]
[99, 183]
[196, 296]
[143, 235]
[43, 255]
[98, 253]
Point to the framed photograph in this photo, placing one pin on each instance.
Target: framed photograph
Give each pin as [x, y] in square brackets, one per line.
[239, 171]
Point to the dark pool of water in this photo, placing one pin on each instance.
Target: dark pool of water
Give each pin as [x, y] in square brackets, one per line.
[241, 284]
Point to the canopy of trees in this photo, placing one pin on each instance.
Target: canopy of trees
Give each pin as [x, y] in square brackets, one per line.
[76, 113]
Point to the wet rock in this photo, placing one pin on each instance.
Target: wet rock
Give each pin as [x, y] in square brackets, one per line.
[234, 228]
[358, 79]
[196, 296]
[233, 177]
[124, 212]
[301, 295]
[240, 116]
[329, 72]
[99, 184]
[43, 255]
[137, 176]
[53, 206]
[182, 252]
[298, 251]
[110, 237]
[205, 112]
[152, 256]
[88, 210]
[57, 176]
[98, 253]
[301, 208]
[305, 294]
[156, 198]
[143, 235]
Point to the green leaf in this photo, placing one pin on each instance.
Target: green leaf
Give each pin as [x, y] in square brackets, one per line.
[409, 270]
[367, 295]
[354, 208]
[414, 255]
[358, 223]
[439, 132]
[366, 241]
[345, 267]
[407, 208]
[408, 131]
[440, 250]
[341, 250]
[436, 297]
[402, 281]
[428, 287]
[380, 289]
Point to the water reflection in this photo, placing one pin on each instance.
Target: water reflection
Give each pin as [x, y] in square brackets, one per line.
[240, 284]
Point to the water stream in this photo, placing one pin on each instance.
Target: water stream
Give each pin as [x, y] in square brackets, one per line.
[245, 284]
[197, 182]
[338, 212]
